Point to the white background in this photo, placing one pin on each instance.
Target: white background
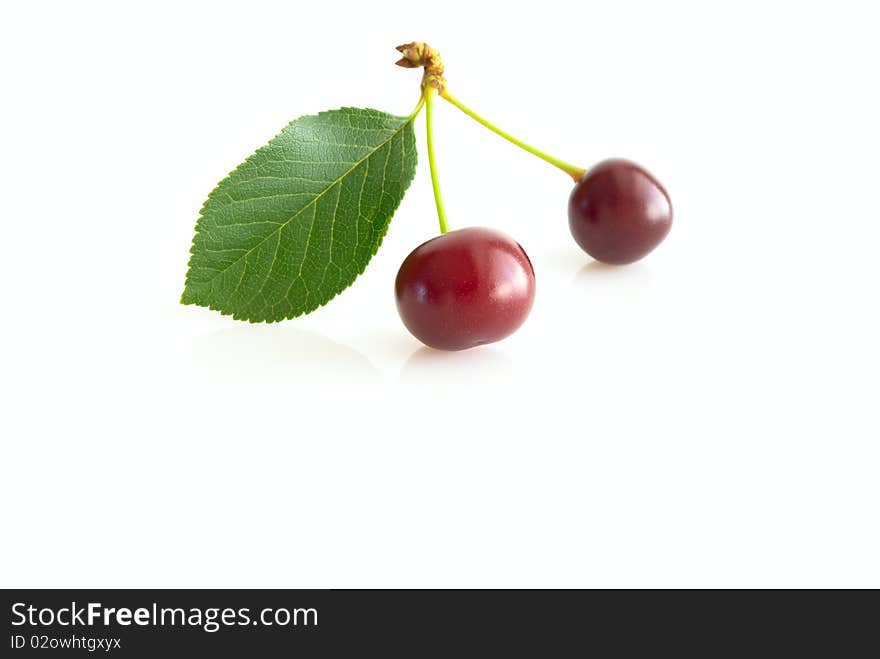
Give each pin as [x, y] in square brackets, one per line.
[706, 417]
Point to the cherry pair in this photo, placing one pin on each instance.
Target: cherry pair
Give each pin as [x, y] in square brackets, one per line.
[474, 286]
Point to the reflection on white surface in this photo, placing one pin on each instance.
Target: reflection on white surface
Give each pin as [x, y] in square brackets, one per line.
[623, 287]
[469, 366]
[593, 270]
[562, 258]
[273, 356]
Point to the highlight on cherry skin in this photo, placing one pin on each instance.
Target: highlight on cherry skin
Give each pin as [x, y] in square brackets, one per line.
[465, 288]
[618, 212]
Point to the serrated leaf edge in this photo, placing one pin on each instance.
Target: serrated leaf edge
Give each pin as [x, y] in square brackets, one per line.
[408, 120]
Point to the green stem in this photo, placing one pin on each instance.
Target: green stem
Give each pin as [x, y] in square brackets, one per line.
[428, 96]
[575, 172]
[418, 108]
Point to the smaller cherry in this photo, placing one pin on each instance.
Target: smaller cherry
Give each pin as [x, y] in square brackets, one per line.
[618, 212]
[465, 288]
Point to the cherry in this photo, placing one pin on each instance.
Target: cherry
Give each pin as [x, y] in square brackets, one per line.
[618, 212]
[465, 288]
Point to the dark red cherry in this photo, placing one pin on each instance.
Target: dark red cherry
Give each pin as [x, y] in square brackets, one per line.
[618, 212]
[465, 288]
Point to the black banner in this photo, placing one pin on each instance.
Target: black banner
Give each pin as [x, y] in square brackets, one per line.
[332, 623]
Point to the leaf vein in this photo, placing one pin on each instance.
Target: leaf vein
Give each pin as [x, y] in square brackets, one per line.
[335, 182]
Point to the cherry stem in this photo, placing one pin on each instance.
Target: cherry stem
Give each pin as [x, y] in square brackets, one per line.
[575, 172]
[428, 96]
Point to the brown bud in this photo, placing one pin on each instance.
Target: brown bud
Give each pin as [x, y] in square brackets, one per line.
[418, 53]
[412, 52]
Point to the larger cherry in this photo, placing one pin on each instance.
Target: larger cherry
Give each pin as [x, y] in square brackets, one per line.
[465, 288]
[618, 212]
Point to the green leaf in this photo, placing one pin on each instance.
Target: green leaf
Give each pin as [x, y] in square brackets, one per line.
[299, 220]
